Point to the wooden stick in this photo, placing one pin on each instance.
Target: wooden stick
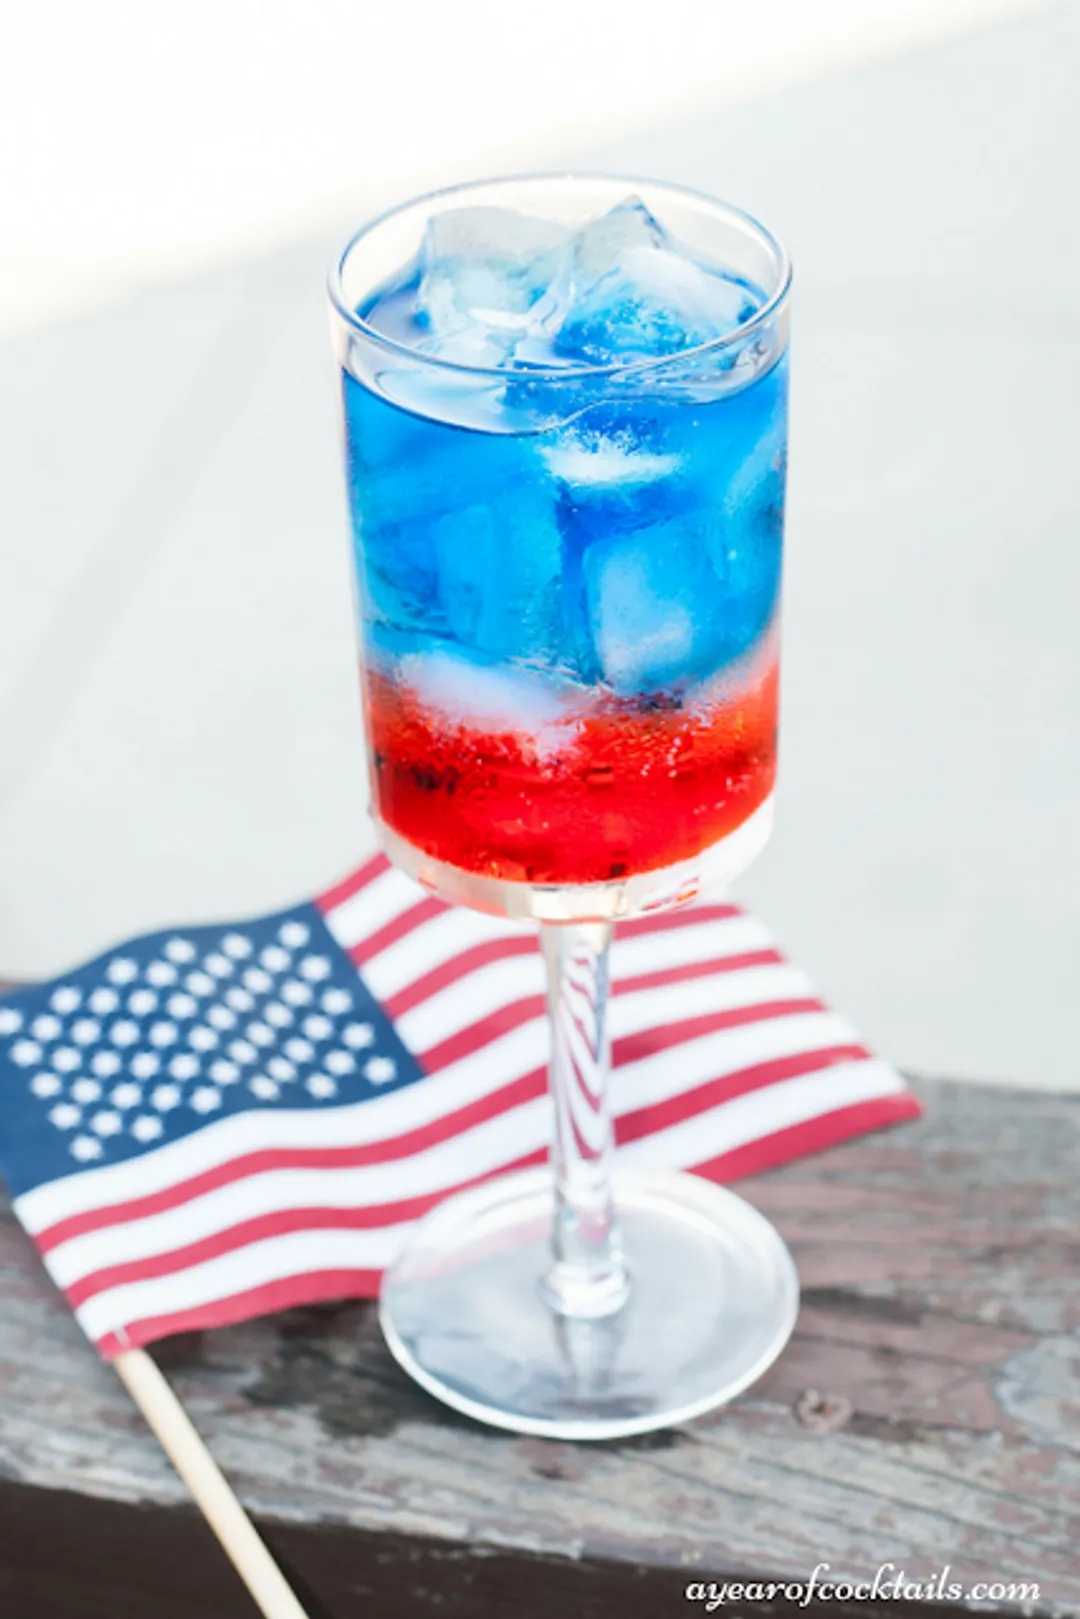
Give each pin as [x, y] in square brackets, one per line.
[215, 1499]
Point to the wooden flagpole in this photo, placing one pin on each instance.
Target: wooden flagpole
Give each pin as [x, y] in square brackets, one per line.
[214, 1497]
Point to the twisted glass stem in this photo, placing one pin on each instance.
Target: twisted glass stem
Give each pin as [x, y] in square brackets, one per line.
[587, 1277]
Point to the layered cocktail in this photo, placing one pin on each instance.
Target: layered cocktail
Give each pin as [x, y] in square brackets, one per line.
[569, 586]
[565, 410]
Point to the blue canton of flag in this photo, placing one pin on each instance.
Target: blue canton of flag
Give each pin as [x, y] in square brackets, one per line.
[210, 1123]
[148, 1043]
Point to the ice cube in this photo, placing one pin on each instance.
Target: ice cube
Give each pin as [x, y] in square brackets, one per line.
[395, 568]
[492, 236]
[744, 440]
[588, 460]
[482, 273]
[499, 570]
[746, 542]
[458, 536]
[629, 293]
[469, 692]
[675, 603]
[597, 245]
[652, 598]
[450, 526]
[618, 469]
[652, 303]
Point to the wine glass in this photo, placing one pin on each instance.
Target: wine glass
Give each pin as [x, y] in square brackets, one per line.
[564, 404]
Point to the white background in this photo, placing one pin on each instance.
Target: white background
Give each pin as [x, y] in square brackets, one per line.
[148, 140]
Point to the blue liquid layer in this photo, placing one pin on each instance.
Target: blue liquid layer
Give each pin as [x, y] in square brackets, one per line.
[636, 547]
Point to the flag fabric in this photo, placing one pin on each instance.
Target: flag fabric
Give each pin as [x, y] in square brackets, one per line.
[212, 1123]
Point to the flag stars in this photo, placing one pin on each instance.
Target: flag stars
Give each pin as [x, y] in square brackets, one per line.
[340, 1062]
[171, 1035]
[380, 1069]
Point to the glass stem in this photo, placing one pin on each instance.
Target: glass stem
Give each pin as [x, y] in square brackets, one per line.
[587, 1277]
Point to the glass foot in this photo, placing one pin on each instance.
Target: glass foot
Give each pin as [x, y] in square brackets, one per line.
[712, 1302]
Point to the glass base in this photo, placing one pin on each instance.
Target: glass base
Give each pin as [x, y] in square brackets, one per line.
[713, 1298]
[676, 884]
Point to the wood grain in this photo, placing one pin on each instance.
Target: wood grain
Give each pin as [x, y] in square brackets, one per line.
[927, 1411]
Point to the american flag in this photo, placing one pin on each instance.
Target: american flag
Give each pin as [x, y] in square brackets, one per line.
[213, 1123]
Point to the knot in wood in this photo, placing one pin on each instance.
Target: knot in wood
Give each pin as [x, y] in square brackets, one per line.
[823, 1411]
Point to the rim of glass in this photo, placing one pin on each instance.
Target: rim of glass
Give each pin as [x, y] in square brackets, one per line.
[567, 373]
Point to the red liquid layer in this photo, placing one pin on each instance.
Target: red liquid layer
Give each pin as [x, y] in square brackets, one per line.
[636, 785]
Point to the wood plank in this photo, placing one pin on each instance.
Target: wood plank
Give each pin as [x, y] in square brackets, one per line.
[925, 1412]
[68, 1556]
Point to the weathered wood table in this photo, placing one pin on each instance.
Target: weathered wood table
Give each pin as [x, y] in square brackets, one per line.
[926, 1413]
